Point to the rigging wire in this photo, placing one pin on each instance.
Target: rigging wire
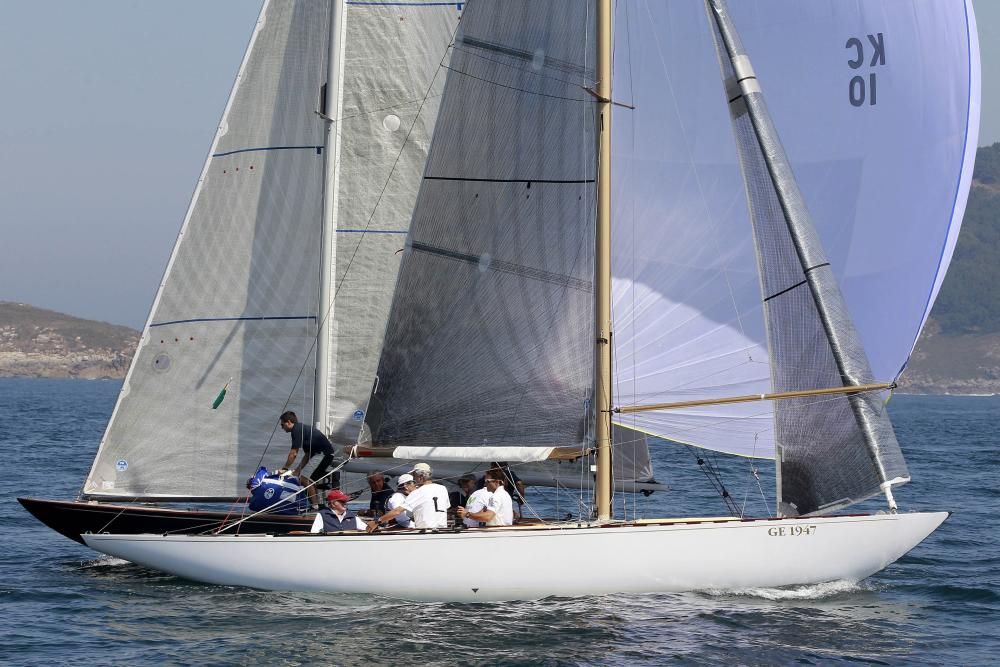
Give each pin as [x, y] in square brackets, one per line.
[714, 476]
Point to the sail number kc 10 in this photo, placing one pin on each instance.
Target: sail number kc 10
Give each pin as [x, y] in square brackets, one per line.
[859, 90]
[790, 531]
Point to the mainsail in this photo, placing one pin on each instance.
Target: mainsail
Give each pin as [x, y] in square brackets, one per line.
[239, 298]
[490, 334]
[885, 179]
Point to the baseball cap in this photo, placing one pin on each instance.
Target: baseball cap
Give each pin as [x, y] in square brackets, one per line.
[337, 494]
[422, 467]
[404, 478]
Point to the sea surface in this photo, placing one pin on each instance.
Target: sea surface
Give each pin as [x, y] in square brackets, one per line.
[61, 603]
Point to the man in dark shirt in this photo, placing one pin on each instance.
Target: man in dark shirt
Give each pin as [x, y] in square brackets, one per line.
[312, 442]
[466, 485]
[380, 494]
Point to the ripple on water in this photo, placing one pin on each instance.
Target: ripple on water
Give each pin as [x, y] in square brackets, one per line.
[65, 605]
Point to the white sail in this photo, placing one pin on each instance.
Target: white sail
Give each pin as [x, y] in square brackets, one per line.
[490, 334]
[885, 173]
[240, 295]
[393, 78]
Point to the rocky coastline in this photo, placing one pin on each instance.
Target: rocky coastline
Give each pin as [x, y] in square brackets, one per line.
[38, 343]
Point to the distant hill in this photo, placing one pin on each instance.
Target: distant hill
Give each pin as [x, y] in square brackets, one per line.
[42, 343]
[969, 302]
[959, 350]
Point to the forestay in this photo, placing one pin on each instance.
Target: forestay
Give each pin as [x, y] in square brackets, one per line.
[885, 179]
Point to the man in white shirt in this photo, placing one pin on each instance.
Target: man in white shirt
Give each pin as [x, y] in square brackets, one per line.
[499, 510]
[404, 485]
[428, 503]
[474, 505]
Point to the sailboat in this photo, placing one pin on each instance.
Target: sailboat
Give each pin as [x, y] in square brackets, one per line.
[296, 206]
[761, 306]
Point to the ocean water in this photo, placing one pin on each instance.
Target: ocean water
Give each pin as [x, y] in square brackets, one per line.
[940, 604]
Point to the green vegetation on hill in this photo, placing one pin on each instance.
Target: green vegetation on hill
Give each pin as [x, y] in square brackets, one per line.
[987, 169]
[969, 301]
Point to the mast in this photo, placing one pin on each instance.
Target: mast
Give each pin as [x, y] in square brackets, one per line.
[331, 176]
[603, 264]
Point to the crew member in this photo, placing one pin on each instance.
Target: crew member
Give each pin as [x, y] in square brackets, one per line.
[312, 442]
[427, 503]
[499, 509]
[404, 485]
[337, 517]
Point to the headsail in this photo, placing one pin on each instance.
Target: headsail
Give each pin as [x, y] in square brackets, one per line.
[886, 187]
[838, 450]
[240, 296]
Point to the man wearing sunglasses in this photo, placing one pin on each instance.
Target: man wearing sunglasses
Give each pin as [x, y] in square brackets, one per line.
[499, 510]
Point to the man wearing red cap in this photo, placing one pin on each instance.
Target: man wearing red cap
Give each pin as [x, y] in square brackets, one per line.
[337, 517]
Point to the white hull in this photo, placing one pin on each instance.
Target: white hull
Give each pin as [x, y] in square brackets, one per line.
[531, 563]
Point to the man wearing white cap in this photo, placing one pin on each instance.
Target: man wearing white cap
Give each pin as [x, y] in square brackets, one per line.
[428, 503]
[404, 485]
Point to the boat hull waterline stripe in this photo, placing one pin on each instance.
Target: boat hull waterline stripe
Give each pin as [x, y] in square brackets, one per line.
[664, 557]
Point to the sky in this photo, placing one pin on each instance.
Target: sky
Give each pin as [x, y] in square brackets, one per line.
[107, 111]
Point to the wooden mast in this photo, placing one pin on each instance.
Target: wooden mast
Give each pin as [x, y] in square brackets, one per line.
[602, 432]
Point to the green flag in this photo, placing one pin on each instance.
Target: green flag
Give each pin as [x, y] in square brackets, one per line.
[221, 396]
